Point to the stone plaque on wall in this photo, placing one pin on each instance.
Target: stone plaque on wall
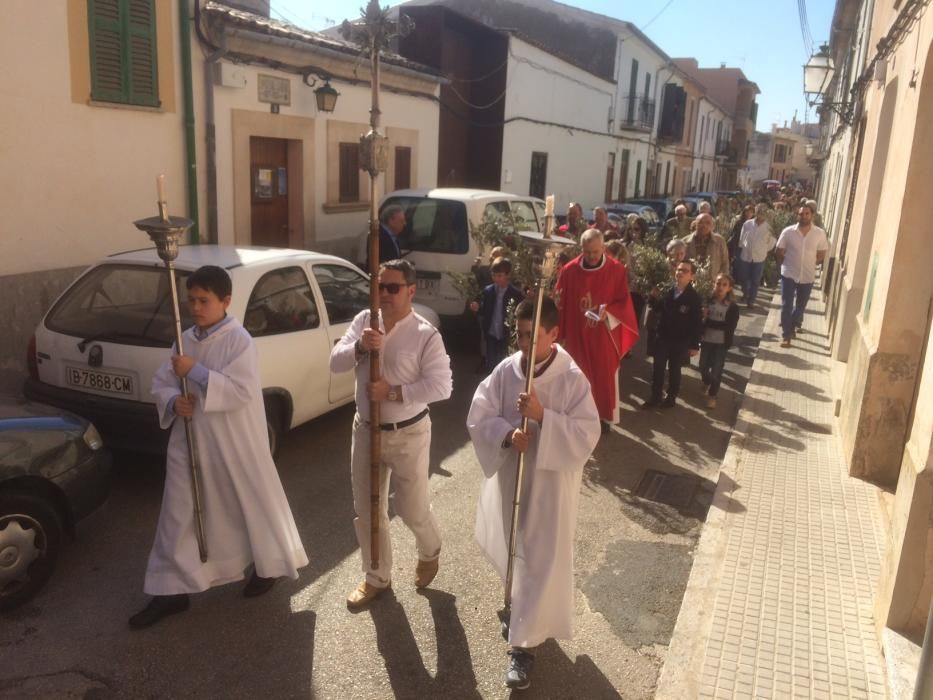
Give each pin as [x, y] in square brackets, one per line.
[276, 91]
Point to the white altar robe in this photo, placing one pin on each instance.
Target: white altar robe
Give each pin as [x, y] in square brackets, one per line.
[246, 515]
[543, 588]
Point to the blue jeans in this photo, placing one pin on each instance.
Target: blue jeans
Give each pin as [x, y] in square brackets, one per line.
[748, 275]
[496, 350]
[712, 360]
[791, 310]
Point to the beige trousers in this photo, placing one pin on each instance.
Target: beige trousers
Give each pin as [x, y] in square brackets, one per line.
[405, 458]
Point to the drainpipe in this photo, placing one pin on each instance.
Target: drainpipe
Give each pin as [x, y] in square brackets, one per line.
[210, 131]
[191, 161]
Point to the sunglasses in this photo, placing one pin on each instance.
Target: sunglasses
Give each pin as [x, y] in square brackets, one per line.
[391, 287]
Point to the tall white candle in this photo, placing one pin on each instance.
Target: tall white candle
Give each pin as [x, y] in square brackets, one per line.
[549, 205]
[160, 185]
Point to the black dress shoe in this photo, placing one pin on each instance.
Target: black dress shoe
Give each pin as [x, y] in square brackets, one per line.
[520, 663]
[669, 402]
[257, 585]
[651, 403]
[160, 606]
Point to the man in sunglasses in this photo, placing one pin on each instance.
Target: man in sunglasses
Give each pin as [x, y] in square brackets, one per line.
[415, 372]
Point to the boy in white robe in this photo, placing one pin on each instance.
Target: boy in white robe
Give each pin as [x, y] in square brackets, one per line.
[563, 429]
[247, 520]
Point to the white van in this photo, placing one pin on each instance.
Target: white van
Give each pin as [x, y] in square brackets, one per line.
[437, 235]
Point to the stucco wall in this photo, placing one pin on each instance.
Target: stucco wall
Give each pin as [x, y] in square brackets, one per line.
[76, 176]
[542, 88]
[410, 120]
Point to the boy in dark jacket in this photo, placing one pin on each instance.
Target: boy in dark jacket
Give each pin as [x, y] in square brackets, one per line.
[722, 316]
[493, 311]
[680, 326]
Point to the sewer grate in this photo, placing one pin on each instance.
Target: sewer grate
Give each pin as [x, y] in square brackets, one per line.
[677, 491]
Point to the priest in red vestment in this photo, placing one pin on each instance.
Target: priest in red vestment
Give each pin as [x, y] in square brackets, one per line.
[597, 319]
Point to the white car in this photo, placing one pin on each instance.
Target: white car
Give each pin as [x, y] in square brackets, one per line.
[97, 348]
[438, 235]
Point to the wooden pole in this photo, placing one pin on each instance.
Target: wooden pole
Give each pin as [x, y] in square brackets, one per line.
[375, 436]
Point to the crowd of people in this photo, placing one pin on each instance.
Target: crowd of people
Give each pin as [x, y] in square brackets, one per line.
[587, 325]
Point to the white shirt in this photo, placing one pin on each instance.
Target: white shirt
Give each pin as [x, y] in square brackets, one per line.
[800, 252]
[413, 357]
[755, 241]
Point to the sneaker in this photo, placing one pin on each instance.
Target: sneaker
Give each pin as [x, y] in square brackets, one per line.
[520, 663]
[711, 402]
[160, 606]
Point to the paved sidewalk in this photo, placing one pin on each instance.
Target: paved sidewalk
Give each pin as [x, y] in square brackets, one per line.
[779, 602]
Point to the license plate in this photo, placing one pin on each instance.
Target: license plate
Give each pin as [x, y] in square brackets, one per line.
[426, 285]
[109, 382]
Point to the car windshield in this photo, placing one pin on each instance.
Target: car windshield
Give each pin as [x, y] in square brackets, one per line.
[121, 303]
[433, 225]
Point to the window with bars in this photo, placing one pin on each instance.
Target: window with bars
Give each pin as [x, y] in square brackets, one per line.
[124, 65]
[349, 172]
[538, 179]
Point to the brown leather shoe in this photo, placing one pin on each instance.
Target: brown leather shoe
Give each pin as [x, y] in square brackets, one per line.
[364, 594]
[425, 572]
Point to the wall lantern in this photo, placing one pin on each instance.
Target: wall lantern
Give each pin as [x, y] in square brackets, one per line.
[326, 97]
[817, 76]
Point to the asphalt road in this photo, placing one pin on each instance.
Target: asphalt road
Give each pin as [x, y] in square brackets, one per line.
[633, 559]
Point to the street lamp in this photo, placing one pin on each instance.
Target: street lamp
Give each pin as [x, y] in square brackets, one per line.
[817, 75]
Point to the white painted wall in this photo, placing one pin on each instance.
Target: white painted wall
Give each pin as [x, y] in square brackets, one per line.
[74, 177]
[556, 108]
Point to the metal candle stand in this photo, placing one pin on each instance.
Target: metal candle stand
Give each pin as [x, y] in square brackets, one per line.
[165, 231]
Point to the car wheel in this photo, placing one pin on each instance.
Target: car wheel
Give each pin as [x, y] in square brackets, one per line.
[274, 422]
[30, 539]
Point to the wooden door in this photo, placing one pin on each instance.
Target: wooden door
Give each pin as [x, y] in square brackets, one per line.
[269, 186]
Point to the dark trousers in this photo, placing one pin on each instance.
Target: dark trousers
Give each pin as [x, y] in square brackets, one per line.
[712, 360]
[791, 309]
[496, 350]
[670, 357]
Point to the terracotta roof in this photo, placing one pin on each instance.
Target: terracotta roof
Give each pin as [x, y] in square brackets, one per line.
[272, 27]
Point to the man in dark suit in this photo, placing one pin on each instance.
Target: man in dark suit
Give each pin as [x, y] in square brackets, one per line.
[392, 224]
[494, 311]
[680, 327]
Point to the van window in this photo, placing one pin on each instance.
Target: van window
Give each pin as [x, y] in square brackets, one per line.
[433, 225]
[129, 304]
[523, 216]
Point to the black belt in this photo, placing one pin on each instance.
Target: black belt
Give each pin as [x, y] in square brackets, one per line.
[404, 423]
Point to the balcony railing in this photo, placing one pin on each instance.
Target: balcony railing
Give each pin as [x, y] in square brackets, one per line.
[726, 151]
[637, 113]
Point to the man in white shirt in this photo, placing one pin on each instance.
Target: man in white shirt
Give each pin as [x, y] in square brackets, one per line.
[415, 372]
[755, 242]
[800, 248]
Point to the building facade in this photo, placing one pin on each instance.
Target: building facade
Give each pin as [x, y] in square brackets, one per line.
[219, 100]
[876, 165]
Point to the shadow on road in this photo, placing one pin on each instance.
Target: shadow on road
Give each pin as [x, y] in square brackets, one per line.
[399, 649]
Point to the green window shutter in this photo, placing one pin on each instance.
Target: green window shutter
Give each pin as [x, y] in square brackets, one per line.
[141, 40]
[107, 83]
[124, 65]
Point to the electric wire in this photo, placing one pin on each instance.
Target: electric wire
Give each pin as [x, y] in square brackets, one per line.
[660, 12]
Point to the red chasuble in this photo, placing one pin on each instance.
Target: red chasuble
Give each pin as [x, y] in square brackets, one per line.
[597, 346]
